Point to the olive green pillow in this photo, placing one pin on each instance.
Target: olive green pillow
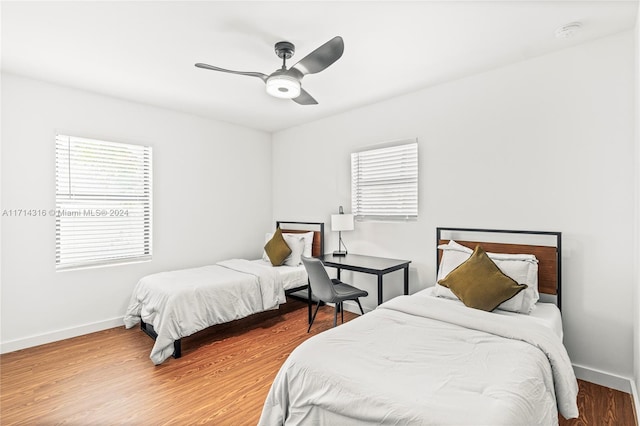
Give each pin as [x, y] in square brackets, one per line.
[480, 284]
[277, 248]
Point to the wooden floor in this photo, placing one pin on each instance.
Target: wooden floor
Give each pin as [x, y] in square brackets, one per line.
[602, 406]
[222, 378]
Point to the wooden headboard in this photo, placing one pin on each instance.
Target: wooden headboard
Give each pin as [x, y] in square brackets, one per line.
[293, 227]
[549, 257]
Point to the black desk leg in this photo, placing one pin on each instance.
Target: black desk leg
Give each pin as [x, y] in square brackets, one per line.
[379, 289]
[406, 280]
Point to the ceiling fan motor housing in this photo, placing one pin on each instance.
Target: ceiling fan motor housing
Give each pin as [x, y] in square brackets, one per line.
[284, 49]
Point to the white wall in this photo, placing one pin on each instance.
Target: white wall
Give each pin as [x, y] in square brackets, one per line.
[636, 326]
[545, 144]
[212, 183]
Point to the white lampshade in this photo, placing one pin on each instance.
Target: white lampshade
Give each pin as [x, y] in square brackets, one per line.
[283, 86]
[342, 222]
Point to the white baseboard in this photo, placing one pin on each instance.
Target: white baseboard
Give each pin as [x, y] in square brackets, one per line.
[613, 381]
[54, 336]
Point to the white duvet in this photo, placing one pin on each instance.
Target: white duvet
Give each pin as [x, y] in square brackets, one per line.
[422, 360]
[180, 303]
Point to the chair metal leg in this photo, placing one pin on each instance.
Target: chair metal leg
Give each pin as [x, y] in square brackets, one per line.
[342, 312]
[314, 316]
[360, 306]
[335, 314]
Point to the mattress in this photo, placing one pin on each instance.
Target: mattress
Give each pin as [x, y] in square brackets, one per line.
[291, 276]
[182, 302]
[426, 360]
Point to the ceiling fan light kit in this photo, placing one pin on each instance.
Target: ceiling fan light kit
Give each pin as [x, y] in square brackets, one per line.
[287, 83]
[283, 86]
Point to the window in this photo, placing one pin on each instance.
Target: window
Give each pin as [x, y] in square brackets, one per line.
[384, 182]
[103, 202]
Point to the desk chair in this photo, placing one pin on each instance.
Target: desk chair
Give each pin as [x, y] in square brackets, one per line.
[329, 290]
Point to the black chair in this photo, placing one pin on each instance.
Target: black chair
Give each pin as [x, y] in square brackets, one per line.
[329, 290]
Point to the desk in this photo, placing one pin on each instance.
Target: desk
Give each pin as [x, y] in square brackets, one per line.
[369, 265]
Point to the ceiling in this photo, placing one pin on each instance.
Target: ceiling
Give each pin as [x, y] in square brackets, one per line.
[145, 51]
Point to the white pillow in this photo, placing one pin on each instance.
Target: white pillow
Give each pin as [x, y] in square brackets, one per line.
[453, 254]
[296, 244]
[308, 243]
[523, 268]
[267, 237]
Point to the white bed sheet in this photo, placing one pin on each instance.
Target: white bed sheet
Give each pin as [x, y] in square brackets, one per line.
[425, 361]
[182, 302]
[291, 276]
[546, 314]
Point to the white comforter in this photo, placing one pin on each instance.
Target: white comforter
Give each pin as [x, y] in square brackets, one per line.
[421, 360]
[180, 303]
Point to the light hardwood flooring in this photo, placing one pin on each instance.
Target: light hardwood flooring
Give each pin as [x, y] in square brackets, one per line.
[106, 378]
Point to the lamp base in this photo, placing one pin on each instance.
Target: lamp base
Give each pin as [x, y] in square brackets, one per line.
[339, 253]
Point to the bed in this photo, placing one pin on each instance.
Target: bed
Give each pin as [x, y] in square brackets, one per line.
[172, 305]
[428, 359]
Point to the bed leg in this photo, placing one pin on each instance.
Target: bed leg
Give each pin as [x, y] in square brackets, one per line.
[177, 348]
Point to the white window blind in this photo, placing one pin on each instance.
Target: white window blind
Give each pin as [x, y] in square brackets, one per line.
[384, 182]
[103, 202]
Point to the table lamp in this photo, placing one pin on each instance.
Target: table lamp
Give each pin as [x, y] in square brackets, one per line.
[341, 222]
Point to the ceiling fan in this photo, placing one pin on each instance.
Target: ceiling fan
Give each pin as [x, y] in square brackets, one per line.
[287, 83]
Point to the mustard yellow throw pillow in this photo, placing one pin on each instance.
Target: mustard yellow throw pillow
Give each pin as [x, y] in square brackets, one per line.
[277, 248]
[480, 284]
